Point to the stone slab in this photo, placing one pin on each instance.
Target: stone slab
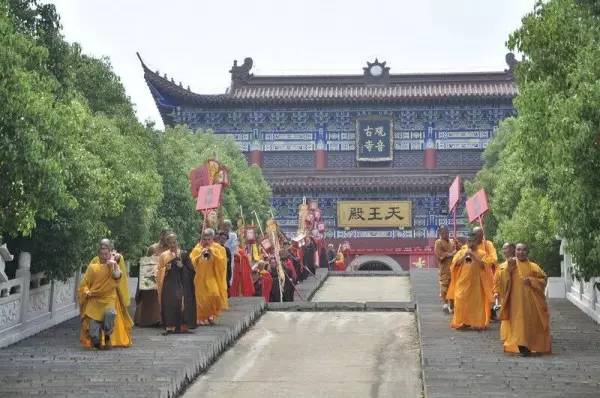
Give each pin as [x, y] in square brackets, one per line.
[473, 364]
[53, 363]
[364, 288]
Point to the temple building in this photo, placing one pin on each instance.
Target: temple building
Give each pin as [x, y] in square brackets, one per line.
[377, 150]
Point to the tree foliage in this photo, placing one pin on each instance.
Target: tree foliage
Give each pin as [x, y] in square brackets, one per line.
[179, 152]
[546, 178]
[76, 165]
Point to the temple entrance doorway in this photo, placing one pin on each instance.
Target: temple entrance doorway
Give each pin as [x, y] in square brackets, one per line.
[374, 263]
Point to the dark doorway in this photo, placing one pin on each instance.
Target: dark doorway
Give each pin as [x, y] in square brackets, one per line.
[374, 266]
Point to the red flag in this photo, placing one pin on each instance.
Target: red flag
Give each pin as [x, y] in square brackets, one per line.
[209, 197]
[477, 205]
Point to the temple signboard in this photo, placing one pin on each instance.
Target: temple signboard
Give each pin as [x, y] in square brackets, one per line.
[374, 214]
[374, 139]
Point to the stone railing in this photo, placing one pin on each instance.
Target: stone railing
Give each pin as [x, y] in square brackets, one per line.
[31, 303]
[581, 293]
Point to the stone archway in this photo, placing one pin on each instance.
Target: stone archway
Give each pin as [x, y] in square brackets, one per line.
[375, 263]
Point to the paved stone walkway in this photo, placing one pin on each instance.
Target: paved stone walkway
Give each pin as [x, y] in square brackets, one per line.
[472, 364]
[53, 363]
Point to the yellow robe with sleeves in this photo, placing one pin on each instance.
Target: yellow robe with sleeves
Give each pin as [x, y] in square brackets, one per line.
[471, 288]
[106, 293]
[524, 312]
[210, 281]
[442, 250]
[488, 255]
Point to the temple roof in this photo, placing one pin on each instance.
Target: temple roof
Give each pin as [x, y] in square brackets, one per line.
[375, 85]
[369, 180]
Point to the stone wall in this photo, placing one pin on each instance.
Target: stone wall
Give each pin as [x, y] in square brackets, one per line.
[584, 295]
[31, 303]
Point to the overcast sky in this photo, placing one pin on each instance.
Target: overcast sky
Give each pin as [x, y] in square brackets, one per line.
[196, 41]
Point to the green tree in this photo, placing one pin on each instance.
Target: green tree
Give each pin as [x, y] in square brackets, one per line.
[546, 179]
[179, 151]
[77, 166]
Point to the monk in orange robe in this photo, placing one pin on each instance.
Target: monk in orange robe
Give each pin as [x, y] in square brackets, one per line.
[103, 298]
[489, 258]
[444, 250]
[210, 263]
[340, 262]
[508, 251]
[524, 313]
[470, 286]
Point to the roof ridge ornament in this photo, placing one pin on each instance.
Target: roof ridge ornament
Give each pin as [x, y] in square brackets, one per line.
[241, 74]
[376, 72]
[512, 62]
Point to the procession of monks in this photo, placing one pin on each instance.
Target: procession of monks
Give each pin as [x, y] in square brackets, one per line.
[191, 288]
[473, 287]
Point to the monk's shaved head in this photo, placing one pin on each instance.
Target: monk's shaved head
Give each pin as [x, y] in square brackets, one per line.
[522, 251]
[478, 234]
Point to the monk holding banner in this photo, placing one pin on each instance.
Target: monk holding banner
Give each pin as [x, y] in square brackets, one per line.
[520, 286]
[469, 287]
[210, 263]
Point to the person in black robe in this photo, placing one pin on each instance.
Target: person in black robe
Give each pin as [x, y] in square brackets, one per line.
[257, 281]
[275, 295]
[223, 236]
[288, 287]
[309, 251]
[177, 297]
[147, 305]
[330, 257]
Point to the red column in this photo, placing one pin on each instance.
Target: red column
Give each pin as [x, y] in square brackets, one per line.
[320, 159]
[430, 158]
[256, 155]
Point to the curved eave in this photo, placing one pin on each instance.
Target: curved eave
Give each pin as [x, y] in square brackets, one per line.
[168, 95]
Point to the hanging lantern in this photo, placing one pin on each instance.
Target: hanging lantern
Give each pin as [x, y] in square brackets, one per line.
[266, 245]
[224, 176]
[250, 234]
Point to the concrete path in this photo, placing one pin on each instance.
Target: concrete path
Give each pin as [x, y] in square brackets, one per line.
[364, 288]
[311, 355]
[53, 363]
[472, 364]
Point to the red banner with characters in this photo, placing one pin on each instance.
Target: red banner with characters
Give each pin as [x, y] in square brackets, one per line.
[209, 197]
[477, 205]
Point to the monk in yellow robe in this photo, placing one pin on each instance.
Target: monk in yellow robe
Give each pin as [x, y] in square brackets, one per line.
[210, 263]
[508, 251]
[524, 313]
[489, 258]
[444, 250]
[469, 287]
[103, 298]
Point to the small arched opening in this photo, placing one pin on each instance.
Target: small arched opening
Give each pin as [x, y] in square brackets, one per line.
[374, 263]
[374, 266]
